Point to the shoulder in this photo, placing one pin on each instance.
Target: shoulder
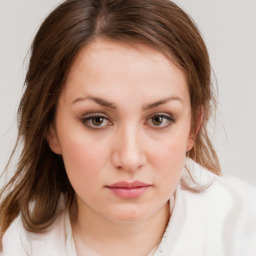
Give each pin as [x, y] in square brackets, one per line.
[222, 192]
[231, 187]
[15, 240]
[18, 241]
[223, 215]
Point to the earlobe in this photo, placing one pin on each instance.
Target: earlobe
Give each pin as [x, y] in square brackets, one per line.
[53, 141]
[195, 128]
[190, 143]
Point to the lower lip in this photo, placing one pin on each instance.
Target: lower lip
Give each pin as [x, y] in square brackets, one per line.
[128, 193]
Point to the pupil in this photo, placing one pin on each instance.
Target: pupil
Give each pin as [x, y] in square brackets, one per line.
[157, 120]
[97, 120]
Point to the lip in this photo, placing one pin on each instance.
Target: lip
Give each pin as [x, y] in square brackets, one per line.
[129, 190]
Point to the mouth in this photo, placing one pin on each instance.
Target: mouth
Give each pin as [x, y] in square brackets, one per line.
[129, 190]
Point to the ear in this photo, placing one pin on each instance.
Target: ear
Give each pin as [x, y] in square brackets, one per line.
[53, 141]
[195, 128]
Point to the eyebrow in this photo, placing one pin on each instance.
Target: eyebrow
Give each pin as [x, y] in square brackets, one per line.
[162, 102]
[99, 101]
[108, 104]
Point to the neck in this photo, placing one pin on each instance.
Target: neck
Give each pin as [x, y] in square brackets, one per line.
[107, 237]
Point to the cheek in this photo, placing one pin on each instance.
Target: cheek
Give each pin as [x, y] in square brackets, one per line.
[171, 148]
[168, 159]
[83, 158]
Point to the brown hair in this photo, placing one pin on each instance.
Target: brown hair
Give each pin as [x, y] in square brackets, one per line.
[40, 176]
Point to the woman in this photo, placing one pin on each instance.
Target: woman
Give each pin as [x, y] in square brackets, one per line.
[116, 156]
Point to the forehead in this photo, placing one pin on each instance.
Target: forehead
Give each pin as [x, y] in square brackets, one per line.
[105, 66]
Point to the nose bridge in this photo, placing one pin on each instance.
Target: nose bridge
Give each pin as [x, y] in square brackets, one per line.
[130, 140]
[129, 154]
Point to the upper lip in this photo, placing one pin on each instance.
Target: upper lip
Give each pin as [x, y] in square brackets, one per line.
[125, 184]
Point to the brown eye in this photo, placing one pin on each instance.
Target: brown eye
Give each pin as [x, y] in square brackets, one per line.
[96, 121]
[160, 121]
[157, 120]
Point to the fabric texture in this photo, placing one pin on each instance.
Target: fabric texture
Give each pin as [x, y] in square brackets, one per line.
[221, 220]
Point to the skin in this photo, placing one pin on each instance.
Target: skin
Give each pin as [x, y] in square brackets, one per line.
[140, 129]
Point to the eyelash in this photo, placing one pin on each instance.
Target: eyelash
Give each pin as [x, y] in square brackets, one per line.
[87, 121]
[167, 118]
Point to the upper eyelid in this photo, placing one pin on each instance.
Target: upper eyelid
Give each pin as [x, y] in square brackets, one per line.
[92, 115]
[96, 114]
[106, 116]
[162, 114]
[102, 114]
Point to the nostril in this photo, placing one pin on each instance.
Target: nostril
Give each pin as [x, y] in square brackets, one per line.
[129, 161]
[128, 151]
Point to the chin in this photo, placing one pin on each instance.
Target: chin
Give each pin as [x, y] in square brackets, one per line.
[129, 215]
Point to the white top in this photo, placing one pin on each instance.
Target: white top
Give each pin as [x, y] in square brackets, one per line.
[219, 221]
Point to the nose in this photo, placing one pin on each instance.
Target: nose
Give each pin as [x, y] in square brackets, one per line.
[128, 153]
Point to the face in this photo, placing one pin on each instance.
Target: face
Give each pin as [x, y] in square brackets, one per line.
[122, 127]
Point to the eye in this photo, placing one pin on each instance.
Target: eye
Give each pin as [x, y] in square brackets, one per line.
[96, 121]
[160, 120]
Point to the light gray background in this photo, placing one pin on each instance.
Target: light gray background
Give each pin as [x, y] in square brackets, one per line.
[229, 29]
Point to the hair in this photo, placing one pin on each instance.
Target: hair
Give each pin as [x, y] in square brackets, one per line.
[40, 176]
